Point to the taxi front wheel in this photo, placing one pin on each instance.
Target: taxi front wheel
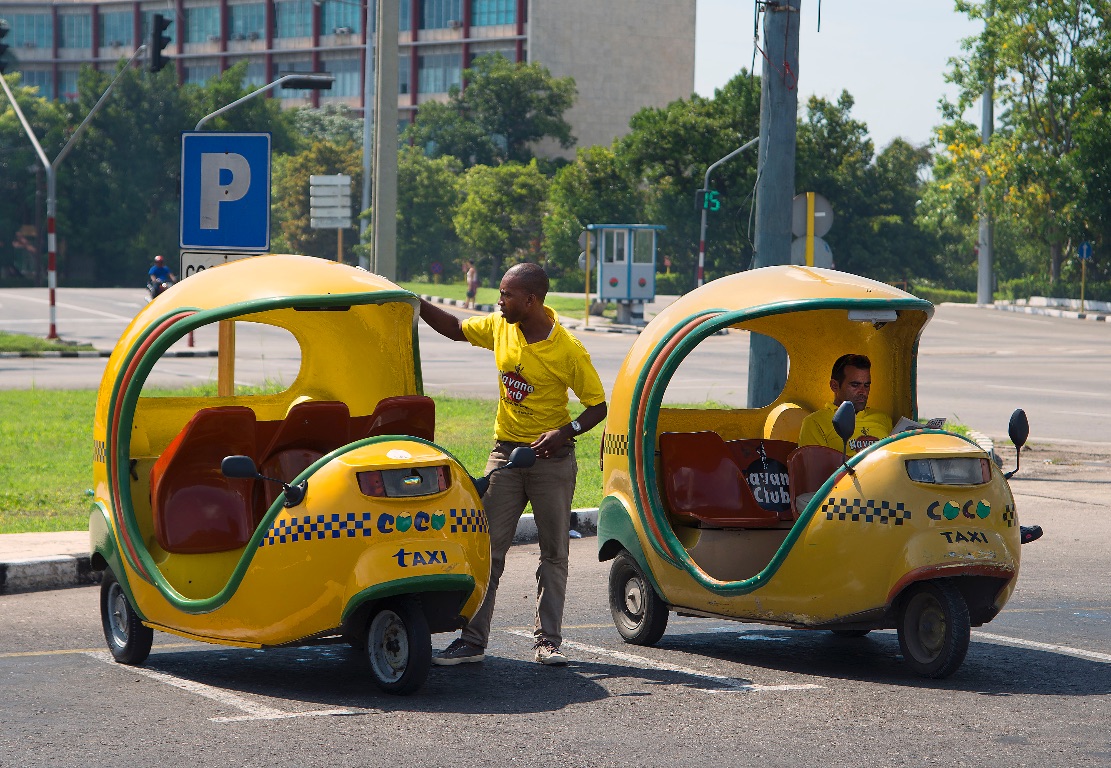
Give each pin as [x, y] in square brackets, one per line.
[128, 638]
[399, 646]
[638, 612]
[934, 628]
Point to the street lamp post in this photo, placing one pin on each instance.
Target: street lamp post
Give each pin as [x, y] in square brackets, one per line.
[705, 190]
[313, 81]
[51, 176]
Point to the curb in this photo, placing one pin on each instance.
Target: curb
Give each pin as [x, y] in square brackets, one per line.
[108, 353]
[60, 571]
[1043, 311]
[457, 303]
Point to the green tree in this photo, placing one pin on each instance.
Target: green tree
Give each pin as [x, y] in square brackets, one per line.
[290, 199]
[1029, 51]
[500, 218]
[336, 123]
[429, 190]
[504, 110]
[598, 188]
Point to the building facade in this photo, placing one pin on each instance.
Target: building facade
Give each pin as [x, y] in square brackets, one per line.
[623, 54]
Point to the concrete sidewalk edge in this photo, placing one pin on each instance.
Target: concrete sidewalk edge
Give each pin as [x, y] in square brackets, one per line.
[37, 574]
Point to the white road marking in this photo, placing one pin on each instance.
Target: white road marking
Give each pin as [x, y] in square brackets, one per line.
[72, 306]
[728, 684]
[945, 322]
[1085, 413]
[254, 710]
[1048, 391]
[1051, 647]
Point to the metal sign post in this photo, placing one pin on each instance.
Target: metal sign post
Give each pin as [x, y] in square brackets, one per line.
[1084, 253]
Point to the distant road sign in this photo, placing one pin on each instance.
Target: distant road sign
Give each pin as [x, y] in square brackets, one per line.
[193, 262]
[823, 254]
[330, 201]
[823, 216]
[1084, 252]
[225, 191]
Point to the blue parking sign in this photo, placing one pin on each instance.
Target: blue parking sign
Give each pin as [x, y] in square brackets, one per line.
[225, 191]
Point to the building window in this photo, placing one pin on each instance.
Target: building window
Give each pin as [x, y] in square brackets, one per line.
[438, 14]
[487, 13]
[347, 73]
[404, 75]
[506, 51]
[405, 18]
[293, 18]
[247, 22]
[256, 74]
[199, 74]
[115, 29]
[67, 85]
[437, 72]
[32, 30]
[341, 17]
[202, 24]
[43, 79]
[75, 31]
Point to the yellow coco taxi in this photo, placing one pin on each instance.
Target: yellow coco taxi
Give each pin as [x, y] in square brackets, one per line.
[718, 513]
[322, 513]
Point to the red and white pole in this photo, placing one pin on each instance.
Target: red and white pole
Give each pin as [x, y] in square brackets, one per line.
[52, 274]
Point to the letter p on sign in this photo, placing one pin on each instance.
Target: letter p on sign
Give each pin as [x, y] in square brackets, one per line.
[225, 191]
[214, 191]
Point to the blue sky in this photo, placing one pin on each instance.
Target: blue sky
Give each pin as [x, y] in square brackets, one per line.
[890, 56]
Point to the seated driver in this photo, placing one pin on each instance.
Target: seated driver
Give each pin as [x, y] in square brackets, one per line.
[851, 380]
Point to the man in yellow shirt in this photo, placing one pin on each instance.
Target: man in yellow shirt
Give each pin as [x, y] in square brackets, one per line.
[851, 380]
[538, 361]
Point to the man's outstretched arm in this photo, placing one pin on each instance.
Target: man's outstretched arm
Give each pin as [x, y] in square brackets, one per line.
[444, 323]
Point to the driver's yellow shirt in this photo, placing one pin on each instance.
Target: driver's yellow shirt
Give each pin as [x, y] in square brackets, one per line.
[534, 378]
[871, 427]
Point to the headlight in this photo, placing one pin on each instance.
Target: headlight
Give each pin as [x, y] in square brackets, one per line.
[949, 471]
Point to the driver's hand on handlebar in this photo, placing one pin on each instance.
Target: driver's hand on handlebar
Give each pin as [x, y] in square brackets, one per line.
[548, 443]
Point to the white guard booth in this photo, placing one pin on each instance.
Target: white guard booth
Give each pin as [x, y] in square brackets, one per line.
[626, 258]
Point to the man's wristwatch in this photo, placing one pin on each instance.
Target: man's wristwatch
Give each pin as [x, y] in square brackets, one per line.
[576, 427]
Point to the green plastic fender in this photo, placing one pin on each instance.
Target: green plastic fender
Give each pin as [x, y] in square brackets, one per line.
[616, 532]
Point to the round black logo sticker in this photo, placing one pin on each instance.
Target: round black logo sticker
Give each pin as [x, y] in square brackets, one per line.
[768, 480]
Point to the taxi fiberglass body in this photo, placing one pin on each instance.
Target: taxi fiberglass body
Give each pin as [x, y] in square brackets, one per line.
[718, 513]
[378, 535]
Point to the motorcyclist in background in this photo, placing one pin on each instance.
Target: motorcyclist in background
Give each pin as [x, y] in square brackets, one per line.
[159, 277]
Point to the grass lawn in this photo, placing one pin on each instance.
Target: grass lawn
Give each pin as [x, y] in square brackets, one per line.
[46, 454]
[564, 305]
[18, 342]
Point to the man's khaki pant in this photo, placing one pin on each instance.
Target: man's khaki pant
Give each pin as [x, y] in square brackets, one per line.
[550, 485]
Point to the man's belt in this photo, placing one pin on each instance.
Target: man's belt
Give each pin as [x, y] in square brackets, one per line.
[508, 445]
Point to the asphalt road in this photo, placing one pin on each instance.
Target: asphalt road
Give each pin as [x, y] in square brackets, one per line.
[1034, 690]
[975, 365]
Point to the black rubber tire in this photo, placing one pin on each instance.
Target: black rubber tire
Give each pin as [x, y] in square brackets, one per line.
[850, 632]
[934, 628]
[638, 612]
[399, 646]
[128, 638]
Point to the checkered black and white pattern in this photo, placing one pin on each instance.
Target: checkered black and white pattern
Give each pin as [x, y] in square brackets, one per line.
[99, 451]
[468, 521]
[866, 510]
[615, 445]
[1009, 516]
[306, 528]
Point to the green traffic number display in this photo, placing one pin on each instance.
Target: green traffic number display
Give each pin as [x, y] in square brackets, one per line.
[707, 200]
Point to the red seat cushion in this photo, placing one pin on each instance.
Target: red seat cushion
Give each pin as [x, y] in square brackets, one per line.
[195, 508]
[401, 415]
[309, 431]
[703, 483]
[764, 464]
[809, 467]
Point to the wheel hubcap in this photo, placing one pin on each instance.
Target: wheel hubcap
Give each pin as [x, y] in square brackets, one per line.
[928, 625]
[388, 646]
[634, 597]
[117, 614]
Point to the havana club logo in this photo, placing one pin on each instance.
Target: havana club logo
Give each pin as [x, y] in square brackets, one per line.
[516, 387]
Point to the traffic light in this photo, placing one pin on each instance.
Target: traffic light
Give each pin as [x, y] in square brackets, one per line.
[4, 30]
[158, 41]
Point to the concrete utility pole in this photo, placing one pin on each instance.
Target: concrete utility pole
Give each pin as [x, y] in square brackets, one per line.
[775, 185]
[984, 271]
[368, 122]
[385, 142]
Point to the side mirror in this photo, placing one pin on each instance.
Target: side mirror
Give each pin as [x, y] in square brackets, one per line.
[239, 467]
[1018, 428]
[521, 457]
[243, 468]
[844, 424]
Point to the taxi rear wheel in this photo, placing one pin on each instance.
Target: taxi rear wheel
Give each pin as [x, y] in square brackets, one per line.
[934, 629]
[128, 638]
[638, 612]
[399, 646]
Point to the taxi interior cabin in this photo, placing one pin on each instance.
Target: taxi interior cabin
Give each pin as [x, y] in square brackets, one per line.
[358, 377]
[734, 481]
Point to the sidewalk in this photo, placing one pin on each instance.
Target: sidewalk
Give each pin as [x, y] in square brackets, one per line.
[32, 562]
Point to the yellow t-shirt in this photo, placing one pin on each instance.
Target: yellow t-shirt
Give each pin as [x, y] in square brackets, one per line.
[535, 377]
[871, 427]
